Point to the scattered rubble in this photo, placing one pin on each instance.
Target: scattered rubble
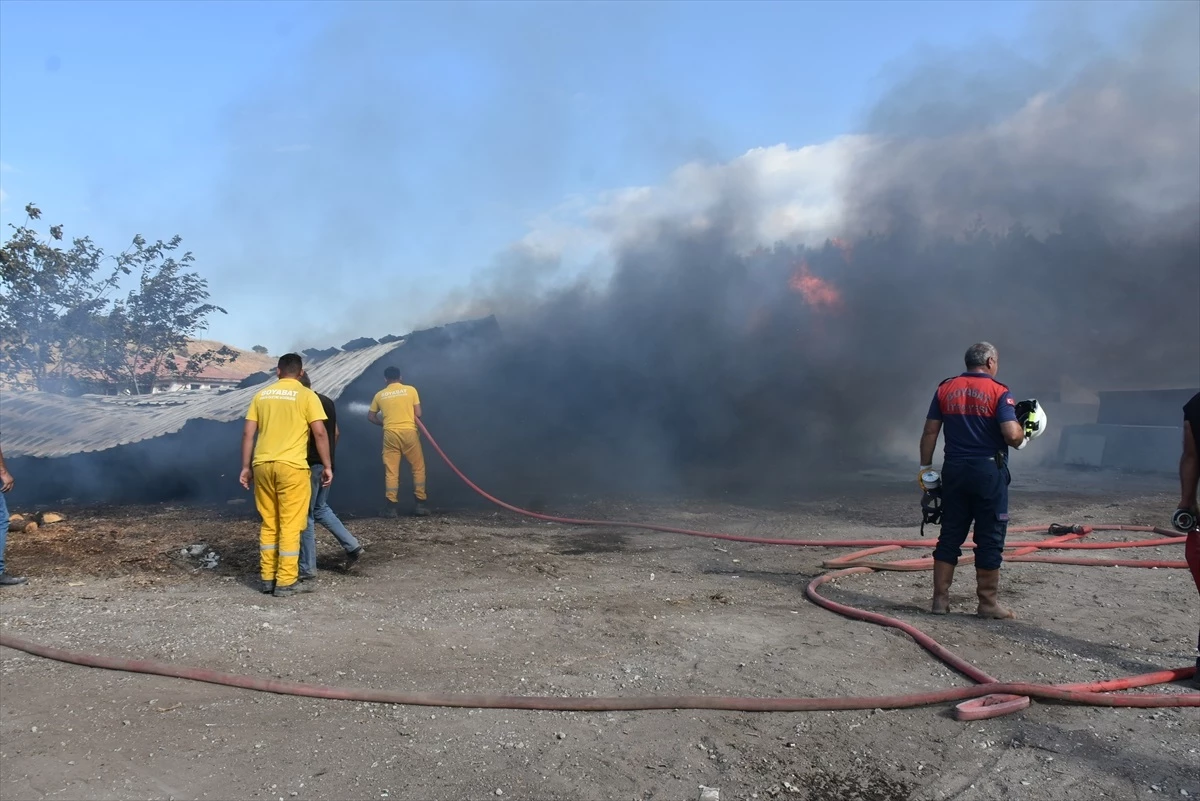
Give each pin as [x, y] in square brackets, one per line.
[208, 559]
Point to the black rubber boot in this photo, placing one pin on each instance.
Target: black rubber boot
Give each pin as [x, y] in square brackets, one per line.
[294, 589]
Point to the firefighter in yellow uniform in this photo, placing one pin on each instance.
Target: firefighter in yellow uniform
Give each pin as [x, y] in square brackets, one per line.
[396, 408]
[282, 415]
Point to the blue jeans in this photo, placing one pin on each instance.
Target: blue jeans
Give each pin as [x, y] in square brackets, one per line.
[974, 491]
[3, 528]
[319, 512]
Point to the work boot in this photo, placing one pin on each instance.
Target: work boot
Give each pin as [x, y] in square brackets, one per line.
[11, 581]
[352, 557]
[307, 576]
[389, 511]
[294, 589]
[266, 587]
[419, 510]
[987, 585]
[943, 576]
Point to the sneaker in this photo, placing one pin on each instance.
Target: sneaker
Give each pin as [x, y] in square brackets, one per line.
[353, 556]
[266, 587]
[11, 581]
[420, 510]
[293, 589]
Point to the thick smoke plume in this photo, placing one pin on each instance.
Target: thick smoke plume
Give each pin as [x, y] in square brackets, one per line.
[1052, 209]
[745, 333]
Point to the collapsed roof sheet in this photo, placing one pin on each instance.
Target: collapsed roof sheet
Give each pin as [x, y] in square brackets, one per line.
[41, 424]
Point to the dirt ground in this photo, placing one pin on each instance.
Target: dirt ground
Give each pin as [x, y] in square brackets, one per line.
[489, 602]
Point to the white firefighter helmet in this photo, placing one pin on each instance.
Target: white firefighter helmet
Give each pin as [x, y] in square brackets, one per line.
[1032, 418]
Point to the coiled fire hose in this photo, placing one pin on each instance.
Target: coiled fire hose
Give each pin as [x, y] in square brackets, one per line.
[987, 699]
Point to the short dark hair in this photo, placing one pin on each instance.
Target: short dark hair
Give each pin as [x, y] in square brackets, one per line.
[305, 380]
[978, 354]
[291, 365]
[391, 373]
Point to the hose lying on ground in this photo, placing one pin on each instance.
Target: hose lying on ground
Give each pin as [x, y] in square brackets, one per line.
[988, 698]
[592, 704]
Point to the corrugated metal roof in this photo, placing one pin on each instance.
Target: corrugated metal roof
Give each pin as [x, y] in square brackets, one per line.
[42, 424]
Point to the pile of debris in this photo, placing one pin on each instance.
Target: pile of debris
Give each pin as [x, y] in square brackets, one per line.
[204, 557]
[31, 523]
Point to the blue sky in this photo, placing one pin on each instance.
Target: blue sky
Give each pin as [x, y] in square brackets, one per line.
[338, 169]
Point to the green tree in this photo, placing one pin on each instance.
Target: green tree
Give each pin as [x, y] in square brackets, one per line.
[49, 299]
[58, 324]
[147, 335]
[260, 349]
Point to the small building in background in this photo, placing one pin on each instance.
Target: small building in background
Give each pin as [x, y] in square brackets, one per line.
[217, 376]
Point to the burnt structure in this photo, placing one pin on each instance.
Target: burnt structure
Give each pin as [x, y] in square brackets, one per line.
[185, 448]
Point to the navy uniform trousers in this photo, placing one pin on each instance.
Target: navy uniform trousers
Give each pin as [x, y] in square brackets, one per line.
[974, 491]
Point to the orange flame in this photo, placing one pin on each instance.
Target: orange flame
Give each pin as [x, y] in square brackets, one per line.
[816, 291]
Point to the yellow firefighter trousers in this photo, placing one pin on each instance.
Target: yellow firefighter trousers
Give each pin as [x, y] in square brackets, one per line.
[282, 493]
[406, 444]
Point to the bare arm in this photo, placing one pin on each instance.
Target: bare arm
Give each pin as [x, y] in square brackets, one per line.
[321, 440]
[248, 432]
[417, 411]
[1189, 469]
[6, 479]
[929, 440]
[1013, 433]
[374, 418]
[337, 433]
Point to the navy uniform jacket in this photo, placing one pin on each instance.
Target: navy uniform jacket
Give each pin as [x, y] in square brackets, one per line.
[971, 407]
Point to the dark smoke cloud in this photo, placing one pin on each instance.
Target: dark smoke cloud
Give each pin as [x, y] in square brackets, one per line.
[1049, 203]
[1051, 206]
[1090, 176]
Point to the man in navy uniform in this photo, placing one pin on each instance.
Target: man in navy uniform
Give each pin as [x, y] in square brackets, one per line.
[1189, 481]
[980, 421]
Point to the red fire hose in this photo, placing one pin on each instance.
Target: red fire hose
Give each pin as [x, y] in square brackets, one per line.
[989, 698]
[570, 704]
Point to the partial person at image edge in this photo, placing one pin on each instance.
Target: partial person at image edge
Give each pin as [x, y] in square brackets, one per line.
[1189, 482]
[6, 484]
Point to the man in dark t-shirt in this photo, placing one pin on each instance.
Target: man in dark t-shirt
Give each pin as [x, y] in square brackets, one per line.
[319, 511]
[1189, 478]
